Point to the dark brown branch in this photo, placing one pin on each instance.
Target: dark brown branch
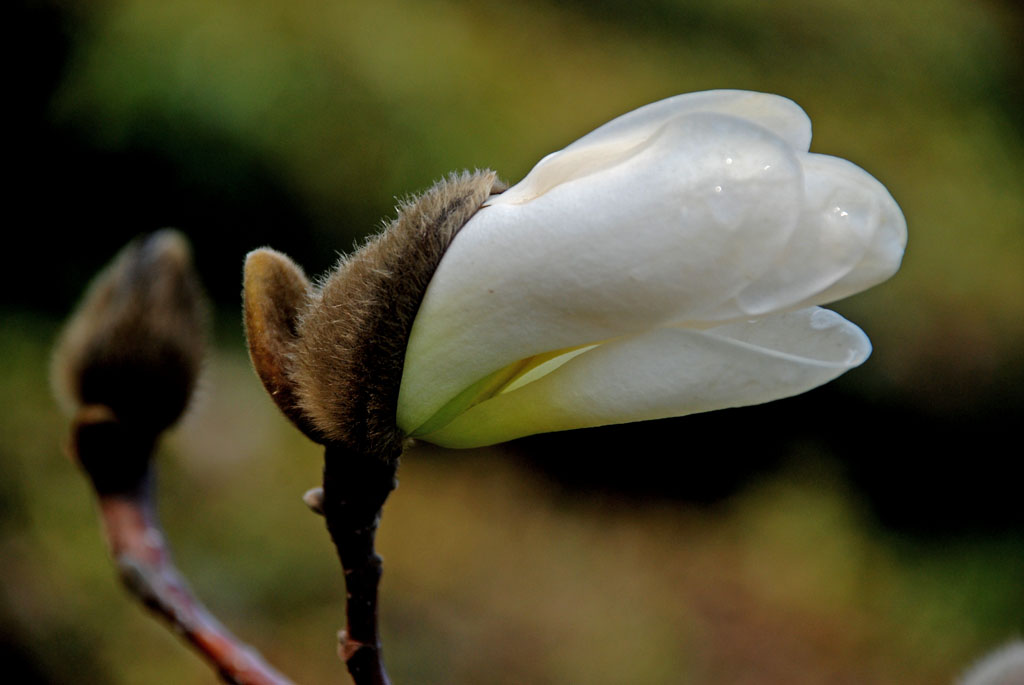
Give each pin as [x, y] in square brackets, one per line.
[355, 488]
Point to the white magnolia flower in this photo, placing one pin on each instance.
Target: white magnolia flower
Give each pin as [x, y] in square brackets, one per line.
[1004, 666]
[669, 262]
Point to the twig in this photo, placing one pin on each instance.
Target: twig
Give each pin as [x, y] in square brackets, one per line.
[144, 563]
[139, 550]
[125, 366]
[354, 491]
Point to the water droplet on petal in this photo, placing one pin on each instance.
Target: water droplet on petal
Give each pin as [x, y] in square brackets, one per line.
[823, 319]
[854, 213]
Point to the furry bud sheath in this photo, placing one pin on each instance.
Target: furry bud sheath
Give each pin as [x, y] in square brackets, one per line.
[128, 359]
[331, 354]
[135, 343]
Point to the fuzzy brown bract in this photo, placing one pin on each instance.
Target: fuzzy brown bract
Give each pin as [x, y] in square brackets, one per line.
[135, 344]
[333, 362]
[276, 292]
[128, 359]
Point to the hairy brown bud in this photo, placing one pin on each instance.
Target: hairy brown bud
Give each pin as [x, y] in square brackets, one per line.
[127, 361]
[339, 355]
[135, 343]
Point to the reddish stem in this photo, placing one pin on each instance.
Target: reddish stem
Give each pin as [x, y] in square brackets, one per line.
[144, 563]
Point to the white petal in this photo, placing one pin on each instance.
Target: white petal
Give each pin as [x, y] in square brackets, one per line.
[695, 214]
[616, 140]
[851, 236]
[847, 193]
[670, 372]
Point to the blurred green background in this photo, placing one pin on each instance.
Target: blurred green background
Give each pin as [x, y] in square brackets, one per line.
[868, 532]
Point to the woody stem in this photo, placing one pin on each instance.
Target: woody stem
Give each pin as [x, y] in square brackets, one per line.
[145, 567]
[117, 461]
[354, 491]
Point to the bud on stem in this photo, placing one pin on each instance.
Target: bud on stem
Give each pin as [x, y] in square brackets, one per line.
[331, 356]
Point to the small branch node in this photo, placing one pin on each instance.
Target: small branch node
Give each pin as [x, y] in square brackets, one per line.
[314, 499]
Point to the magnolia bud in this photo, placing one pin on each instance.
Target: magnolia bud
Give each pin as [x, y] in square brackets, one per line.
[127, 361]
